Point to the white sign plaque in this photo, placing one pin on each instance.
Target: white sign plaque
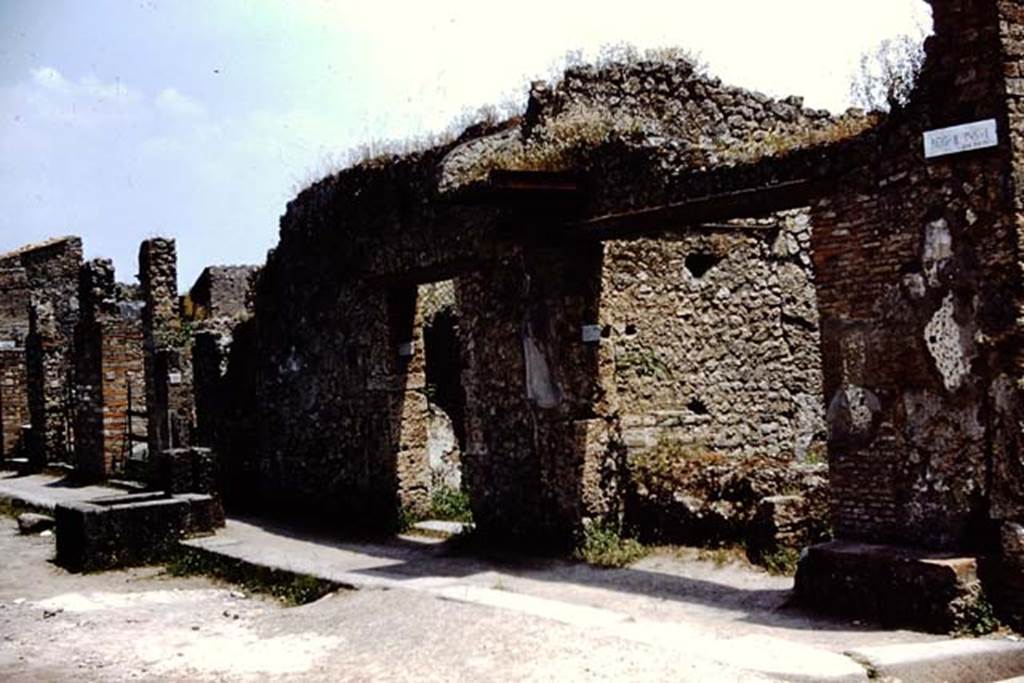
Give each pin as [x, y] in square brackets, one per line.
[7, 345]
[174, 378]
[591, 334]
[963, 138]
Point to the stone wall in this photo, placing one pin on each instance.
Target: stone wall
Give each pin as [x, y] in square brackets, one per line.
[335, 320]
[543, 450]
[221, 292]
[168, 345]
[342, 409]
[14, 323]
[110, 374]
[51, 275]
[714, 334]
[13, 402]
[219, 309]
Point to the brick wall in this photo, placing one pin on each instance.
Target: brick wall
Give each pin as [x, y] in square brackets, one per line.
[109, 371]
[918, 278]
[13, 402]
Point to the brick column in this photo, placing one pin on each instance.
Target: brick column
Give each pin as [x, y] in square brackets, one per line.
[108, 367]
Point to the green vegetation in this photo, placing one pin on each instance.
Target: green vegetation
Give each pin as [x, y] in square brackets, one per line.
[670, 463]
[886, 75]
[780, 562]
[780, 140]
[978, 618]
[291, 589]
[644, 361]
[451, 504]
[602, 545]
[560, 143]
[405, 520]
[179, 337]
[817, 454]
[720, 555]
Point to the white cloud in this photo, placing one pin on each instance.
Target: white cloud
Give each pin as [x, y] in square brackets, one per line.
[103, 91]
[174, 103]
[49, 78]
[206, 137]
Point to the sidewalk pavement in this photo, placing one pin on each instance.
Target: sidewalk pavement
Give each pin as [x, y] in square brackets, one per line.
[734, 614]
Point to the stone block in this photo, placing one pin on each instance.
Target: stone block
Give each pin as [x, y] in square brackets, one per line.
[187, 470]
[899, 587]
[121, 531]
[33, 523]
[175, 470]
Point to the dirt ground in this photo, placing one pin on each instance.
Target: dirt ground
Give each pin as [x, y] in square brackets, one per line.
[142, 624]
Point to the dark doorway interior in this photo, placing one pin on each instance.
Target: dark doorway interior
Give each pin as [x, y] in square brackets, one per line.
[444, 363]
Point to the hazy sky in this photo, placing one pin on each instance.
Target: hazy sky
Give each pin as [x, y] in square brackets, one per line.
[199, 120]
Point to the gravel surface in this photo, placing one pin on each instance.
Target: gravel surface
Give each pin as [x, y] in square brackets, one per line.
[141, 624]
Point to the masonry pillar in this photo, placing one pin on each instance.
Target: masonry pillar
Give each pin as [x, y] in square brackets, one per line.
[49, 387]
[544, 453]
[13, 402]
[52, 274]
[919, 281]
[109, 374]
[14, 323]
[167, 343]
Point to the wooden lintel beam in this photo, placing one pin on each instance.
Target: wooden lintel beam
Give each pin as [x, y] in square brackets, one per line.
[744, 203]
[548, 182]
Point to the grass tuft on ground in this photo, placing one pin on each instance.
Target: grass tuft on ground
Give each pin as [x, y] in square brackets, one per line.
[290, 588]
[450, 504]
[603, 545]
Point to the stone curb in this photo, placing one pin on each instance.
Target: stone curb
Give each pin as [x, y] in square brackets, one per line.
[963, 660]
[255, 567]
[28, 503]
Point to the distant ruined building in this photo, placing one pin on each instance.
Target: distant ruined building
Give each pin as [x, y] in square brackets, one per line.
[647, 293]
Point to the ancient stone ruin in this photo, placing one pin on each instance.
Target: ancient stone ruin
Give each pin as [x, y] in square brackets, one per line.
[652, 303]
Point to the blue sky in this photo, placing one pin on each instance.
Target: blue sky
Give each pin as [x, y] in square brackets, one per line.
[199, 120]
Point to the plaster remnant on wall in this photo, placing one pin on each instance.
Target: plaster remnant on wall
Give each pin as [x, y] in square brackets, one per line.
[943, 336]
[938, 250]
[915, 285]
[292, 364]
[854, 351]
[443, 450]
[809, 423]
[851, 414]
[1002, 393]
[860, 410]
[540, 385]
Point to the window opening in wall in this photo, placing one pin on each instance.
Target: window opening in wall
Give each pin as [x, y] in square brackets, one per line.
[402, 322]
[700, 263]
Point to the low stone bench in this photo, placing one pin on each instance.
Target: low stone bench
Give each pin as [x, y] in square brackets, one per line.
[121, 531]
[896, 586]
